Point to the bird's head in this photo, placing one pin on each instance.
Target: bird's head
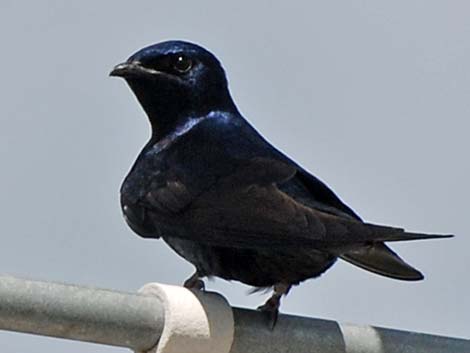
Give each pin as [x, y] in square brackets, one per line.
[175, 79]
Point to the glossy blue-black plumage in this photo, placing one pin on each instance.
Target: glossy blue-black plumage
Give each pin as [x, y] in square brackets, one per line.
[223, 197]
[169, 99]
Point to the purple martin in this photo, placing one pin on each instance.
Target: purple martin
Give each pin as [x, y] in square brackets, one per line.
[224, 198]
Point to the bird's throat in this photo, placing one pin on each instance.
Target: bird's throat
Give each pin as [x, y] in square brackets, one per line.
[162, 106]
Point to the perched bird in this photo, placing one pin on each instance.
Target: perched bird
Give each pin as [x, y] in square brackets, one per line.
[224, 198]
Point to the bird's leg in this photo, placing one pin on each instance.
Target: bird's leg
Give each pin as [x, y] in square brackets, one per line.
[194, 282]
[271, 307]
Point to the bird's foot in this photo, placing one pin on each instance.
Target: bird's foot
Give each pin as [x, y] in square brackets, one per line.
[271, 307]
[271, 310]
[194, 282]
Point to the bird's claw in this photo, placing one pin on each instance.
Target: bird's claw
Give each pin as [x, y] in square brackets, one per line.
[194, 282]
[271, 310]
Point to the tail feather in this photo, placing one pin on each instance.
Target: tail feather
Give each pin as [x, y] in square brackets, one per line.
[384, 233]
[350, 231]
[380, 259]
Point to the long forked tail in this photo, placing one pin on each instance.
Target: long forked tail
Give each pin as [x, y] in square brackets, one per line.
[370, 252]
[384, 233]
[380, 259]
[346, 231]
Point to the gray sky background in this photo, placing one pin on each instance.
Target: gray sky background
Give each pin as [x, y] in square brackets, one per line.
[371, 96]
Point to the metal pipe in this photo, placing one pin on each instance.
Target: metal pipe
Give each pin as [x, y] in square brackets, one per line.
[80, 313]
[136, 321]
[306, 335]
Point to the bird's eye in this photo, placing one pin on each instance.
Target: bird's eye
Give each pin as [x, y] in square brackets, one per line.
[182, 64]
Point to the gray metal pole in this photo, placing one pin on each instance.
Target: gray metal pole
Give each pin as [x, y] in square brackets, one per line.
[136, 321]
[80, 313]
[306, 335]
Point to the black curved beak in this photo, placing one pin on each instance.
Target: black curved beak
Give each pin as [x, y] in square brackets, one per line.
[129, 70]
[120, 70]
